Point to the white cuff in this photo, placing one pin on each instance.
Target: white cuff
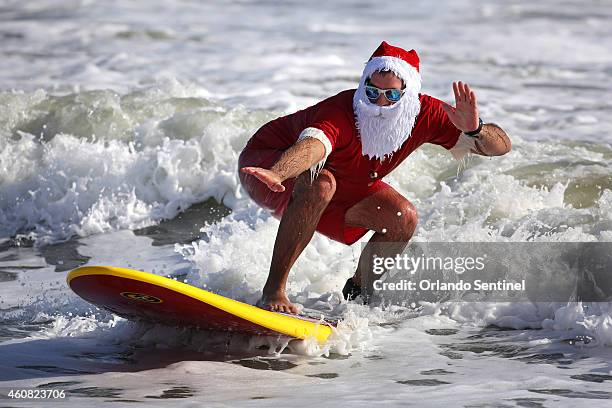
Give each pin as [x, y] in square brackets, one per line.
[311, 132]
[463, 147]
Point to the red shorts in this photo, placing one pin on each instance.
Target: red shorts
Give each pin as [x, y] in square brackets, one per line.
[332, 223]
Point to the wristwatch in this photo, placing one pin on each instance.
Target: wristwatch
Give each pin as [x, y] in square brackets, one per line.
[475, 133]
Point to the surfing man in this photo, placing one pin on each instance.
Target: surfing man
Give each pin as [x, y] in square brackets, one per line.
[321, 168]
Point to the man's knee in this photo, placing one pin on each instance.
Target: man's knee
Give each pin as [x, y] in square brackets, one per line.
[407, 220]
[321, 189]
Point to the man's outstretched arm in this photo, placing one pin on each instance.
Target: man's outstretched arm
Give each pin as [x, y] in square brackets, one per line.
[297, 159]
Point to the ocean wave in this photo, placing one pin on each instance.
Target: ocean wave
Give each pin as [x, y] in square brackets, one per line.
[96, 161]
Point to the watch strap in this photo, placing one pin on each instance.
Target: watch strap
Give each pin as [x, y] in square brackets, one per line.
[477, 131]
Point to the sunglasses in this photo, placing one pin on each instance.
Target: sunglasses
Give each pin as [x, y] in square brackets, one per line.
[392, 95]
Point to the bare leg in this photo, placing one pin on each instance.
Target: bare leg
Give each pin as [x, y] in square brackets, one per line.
[297, 226]
[393, 218]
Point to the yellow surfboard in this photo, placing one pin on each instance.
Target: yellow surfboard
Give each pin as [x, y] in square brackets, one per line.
[137, 295]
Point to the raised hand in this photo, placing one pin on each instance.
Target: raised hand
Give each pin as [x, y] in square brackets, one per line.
[268, 177]
[464, 114]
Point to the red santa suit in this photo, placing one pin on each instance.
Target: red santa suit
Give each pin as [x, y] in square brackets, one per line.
[358, 175]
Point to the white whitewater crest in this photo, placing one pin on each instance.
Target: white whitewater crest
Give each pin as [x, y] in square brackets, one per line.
[116, 161]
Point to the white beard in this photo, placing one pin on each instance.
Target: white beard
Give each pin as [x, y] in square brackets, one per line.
[384, 129]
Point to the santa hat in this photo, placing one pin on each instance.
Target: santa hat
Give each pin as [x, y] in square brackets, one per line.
[404, 64]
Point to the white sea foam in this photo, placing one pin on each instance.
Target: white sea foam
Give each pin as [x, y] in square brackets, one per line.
[145, 166]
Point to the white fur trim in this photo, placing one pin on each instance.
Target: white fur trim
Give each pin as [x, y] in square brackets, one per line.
[463, 147]
[311, 132]
[405, 71]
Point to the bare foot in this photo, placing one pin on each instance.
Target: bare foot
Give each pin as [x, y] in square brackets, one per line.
[270, 178]
[277, 302]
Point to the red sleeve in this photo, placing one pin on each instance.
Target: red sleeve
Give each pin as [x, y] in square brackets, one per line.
[441, 129]
[335, 123]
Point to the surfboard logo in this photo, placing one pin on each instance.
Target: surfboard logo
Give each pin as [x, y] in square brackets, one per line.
[141, 297]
